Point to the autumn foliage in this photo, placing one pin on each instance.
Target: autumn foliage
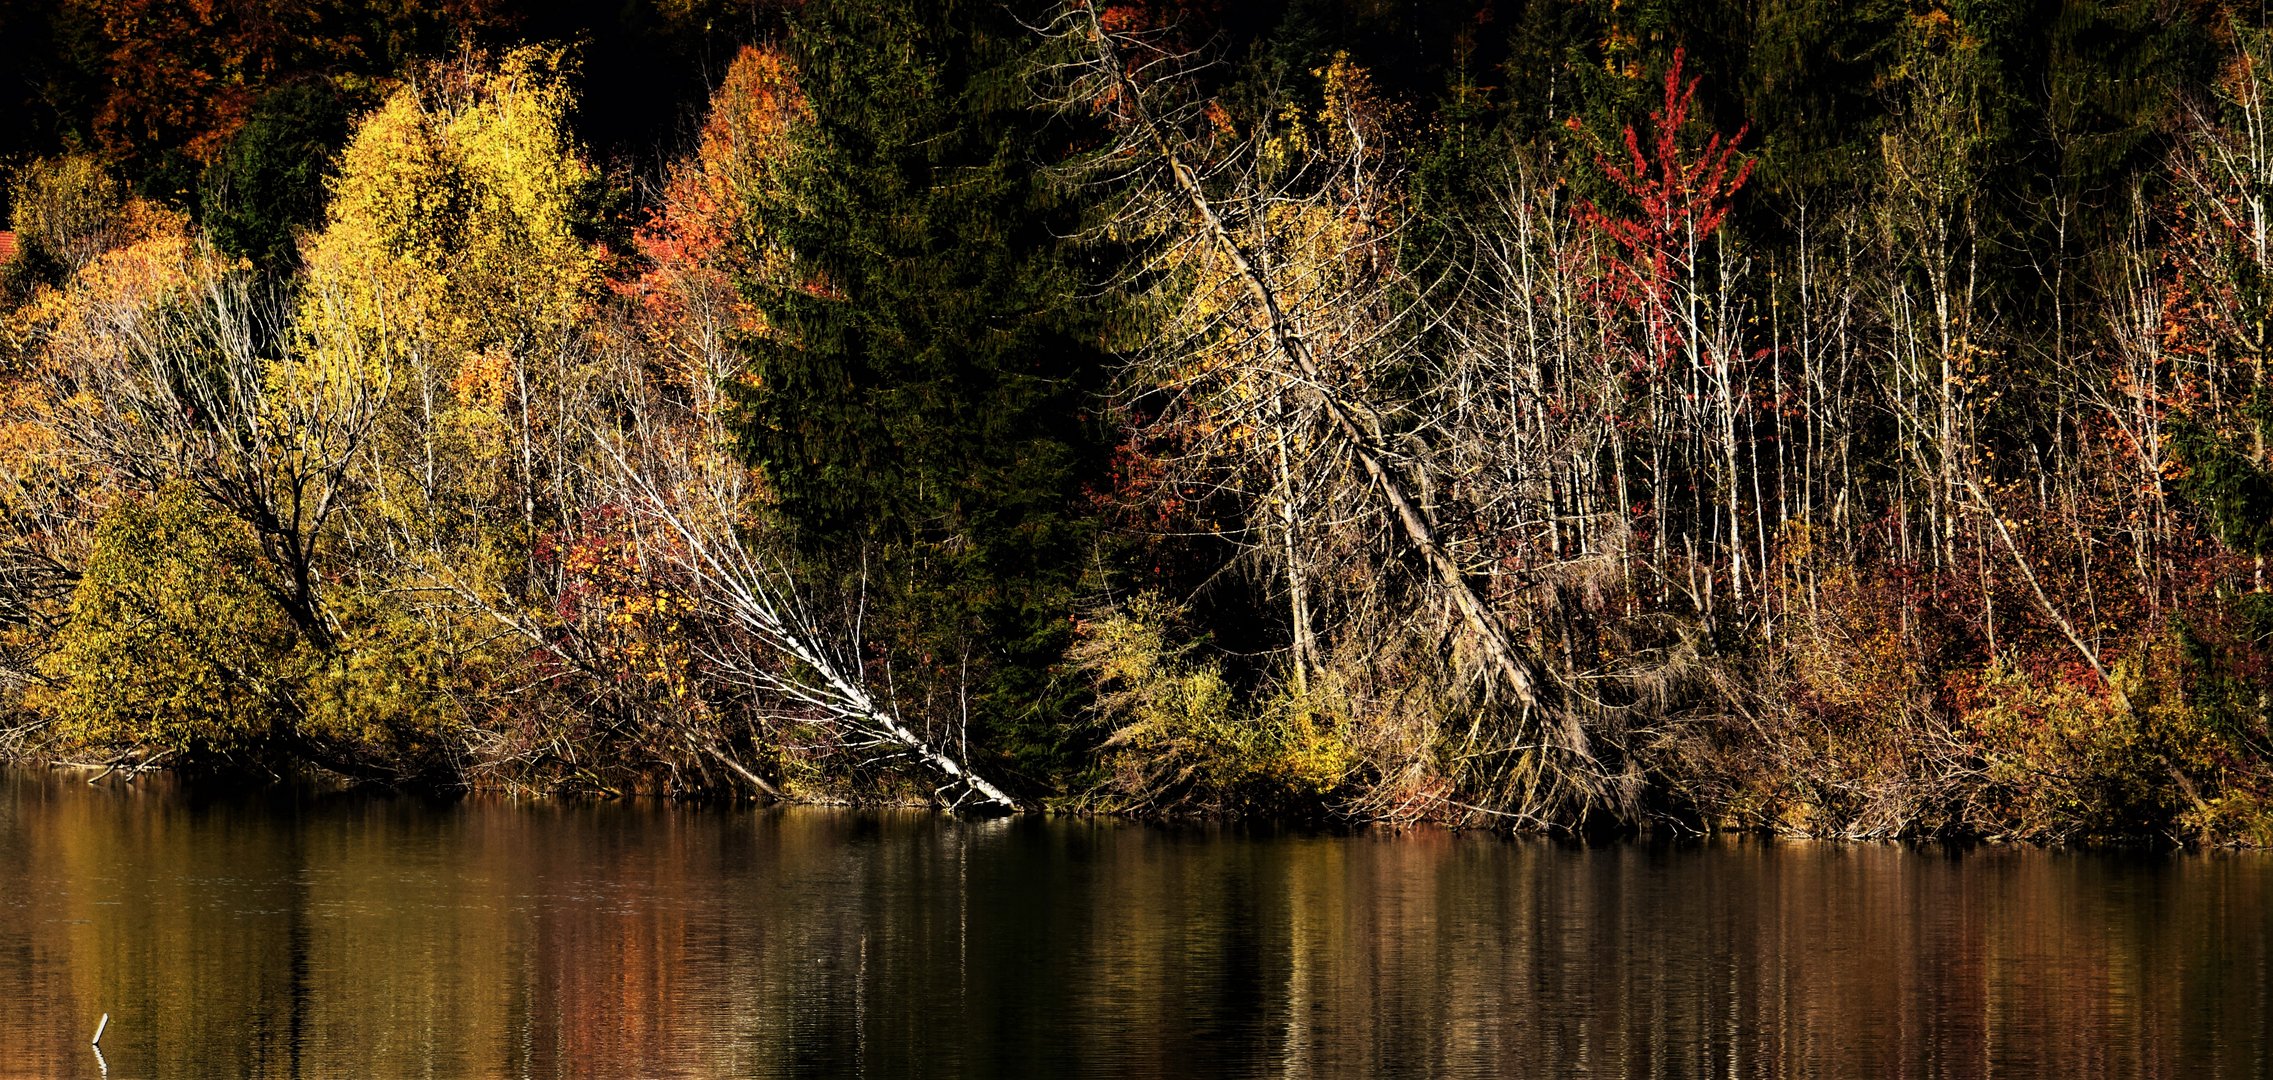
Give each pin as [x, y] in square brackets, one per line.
[1547, 416]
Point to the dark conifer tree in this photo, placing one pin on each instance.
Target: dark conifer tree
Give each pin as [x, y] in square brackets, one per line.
[269, 183]
[925, 405]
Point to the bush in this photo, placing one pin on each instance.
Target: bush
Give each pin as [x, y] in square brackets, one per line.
[67, 211]
[2179, 754]
[175, 645]
[1179, 739]
[2066, 760]
[171, 642]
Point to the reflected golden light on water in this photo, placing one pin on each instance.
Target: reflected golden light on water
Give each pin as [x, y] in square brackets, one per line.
[355, 935]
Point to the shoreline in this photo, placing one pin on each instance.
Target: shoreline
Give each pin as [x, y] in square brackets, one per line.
[1652, 834]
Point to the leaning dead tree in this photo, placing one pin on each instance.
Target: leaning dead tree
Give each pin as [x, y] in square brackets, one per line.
[689, 499]
[1206, 207]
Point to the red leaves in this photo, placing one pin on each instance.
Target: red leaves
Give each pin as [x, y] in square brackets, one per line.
[185, 73]
[1189, 19]
[1679, 198]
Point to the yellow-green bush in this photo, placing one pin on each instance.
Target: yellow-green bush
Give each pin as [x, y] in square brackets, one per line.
[171, 641]
[67, 211]
[381, 693]
[2152, 757]
[2063, 758]
[174, 644]
[1181, 740]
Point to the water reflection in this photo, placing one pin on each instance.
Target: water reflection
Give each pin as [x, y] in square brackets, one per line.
[360, 936]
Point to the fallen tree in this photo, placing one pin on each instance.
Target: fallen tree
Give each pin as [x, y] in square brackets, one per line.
[1165, 174]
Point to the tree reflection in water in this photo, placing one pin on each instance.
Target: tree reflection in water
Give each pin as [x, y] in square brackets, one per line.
[353, 935]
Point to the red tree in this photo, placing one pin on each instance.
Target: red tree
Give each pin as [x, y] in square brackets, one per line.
[1679, 196]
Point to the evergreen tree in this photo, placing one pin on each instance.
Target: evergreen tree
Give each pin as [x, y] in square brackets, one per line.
[924, 403]
[269, 183]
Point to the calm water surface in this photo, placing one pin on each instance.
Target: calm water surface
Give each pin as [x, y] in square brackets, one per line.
[352, 936]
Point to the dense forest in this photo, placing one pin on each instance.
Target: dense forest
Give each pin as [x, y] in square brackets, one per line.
[1830, 418]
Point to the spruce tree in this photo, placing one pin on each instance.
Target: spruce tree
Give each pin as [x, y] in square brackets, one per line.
[269, 182]
[924, 403]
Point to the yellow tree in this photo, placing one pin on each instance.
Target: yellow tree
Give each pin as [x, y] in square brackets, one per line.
[121, 262]
[182, 485]
[450, 263]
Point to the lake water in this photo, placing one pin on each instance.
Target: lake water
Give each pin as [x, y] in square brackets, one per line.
[345, 935]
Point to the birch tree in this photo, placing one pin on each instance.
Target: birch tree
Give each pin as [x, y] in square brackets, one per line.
[1207, 199]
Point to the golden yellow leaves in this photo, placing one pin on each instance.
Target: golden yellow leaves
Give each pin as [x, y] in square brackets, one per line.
[484, 380]
[1181, 735]
[164, 621]
[452, 225]
[450, 279]
[63, 335]
[1934, 28]
[1353, 124]
[1358, 120]
[113, 288]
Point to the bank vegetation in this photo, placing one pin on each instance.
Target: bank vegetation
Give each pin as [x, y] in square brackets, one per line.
[1603, 417]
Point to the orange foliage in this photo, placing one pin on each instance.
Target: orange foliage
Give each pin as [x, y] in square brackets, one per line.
[185, 73]
[700, 238]
[625, 602]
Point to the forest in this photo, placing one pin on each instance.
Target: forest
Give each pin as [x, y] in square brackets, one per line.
[1835, 419]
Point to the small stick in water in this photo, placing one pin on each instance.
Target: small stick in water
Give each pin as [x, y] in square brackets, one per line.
[100, 1028]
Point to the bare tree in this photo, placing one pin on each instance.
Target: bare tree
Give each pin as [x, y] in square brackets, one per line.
[671, 462]
[1214, 205]
[214, 390]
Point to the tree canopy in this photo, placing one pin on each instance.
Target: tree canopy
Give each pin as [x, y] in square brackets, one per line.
[1826, 418]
